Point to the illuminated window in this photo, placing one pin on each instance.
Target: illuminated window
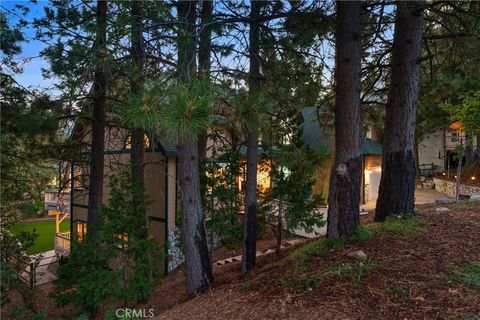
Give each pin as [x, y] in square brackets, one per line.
[81, 230]
[77, 173]
[123, 241]
[128, 142]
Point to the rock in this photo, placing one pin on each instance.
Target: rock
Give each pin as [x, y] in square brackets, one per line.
[357, 254]
[444, 201]
[475, 198]
[442, 209]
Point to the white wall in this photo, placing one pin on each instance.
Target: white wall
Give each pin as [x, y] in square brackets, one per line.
[430, 147]
[372, 182]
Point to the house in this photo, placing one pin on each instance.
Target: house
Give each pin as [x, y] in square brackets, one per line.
[160, 175]
[321, 138]
[437, 148]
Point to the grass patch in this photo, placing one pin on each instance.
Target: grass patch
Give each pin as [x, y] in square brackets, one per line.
[362, 233]
[304, 282]
[354, 271]
[405, 226]
[245, 286]
[311, 281]
[45, 231]
[314, 248]
[471, 275]
[398, 291]
[463, 205]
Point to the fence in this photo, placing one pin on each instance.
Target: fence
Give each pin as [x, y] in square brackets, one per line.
[25, 270]
[427, 169]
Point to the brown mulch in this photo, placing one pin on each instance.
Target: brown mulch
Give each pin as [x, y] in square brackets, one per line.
[418, 265]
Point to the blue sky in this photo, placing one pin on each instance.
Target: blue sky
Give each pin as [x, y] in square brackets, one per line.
[32, 63]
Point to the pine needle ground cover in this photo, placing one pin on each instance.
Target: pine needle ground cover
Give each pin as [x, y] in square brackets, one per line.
[427, 268]
[45, 231]
[424, 268]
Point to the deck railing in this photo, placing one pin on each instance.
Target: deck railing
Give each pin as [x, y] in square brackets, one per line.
[62, 243]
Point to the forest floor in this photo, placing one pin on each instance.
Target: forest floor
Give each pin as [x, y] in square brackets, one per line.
[422, 268]
[426, 268]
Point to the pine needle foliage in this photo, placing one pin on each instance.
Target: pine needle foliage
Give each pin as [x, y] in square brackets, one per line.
[186, 112]
[120, 264]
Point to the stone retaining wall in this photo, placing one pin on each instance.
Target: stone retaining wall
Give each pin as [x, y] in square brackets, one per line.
[175, 253]
[448, 188]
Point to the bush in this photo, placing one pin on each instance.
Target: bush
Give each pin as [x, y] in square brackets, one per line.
[12, 254]
[30, 209]
[120, 263]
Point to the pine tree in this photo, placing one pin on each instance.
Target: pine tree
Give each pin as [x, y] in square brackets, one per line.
[136, 87]
[95, 190]
[250, 230]
[344, 194]
[198, 267]
[397, 183]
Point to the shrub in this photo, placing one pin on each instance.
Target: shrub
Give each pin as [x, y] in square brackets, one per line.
[13, 253]
[119, 264]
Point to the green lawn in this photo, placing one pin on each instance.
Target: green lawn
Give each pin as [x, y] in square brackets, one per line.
[45, 231]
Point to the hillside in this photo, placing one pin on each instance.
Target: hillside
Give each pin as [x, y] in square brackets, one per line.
[423, 268]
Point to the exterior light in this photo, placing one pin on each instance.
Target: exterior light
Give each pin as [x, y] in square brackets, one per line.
[473, 178]
[455, 177]
[443, 173]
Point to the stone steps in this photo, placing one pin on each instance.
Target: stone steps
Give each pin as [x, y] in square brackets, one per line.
[288, 244]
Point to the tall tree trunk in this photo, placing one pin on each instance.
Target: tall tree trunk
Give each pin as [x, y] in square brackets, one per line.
[136, 86]
[417, 160]
[279, 226]
[198, 268]
[204, 71]
[397, 183]
[250, 223]
[344, 193]
[204, 48]
[205, 41]
[95, 191]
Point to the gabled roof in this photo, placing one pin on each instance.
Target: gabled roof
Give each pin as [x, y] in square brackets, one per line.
[320, 139]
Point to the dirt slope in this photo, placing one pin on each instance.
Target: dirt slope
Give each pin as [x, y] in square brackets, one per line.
[407, 276]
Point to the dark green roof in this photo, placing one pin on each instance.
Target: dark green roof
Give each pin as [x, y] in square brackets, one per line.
[320, 139]
[371, 148]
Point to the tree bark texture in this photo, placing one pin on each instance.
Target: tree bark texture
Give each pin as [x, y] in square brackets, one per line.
[250, 223]
[397, 184]
[198, 268]
[197, 261]
[344, 193]
[417, 160]
[95, 191]
[136, 86]
[204, 65]
[478, 149]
